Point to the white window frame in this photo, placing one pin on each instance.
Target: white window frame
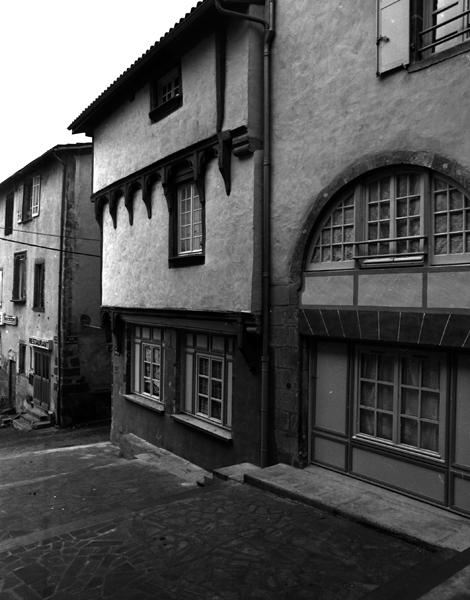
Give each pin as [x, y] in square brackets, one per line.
[193, 223]
[144, 337]
[210, 347]
[36, 196]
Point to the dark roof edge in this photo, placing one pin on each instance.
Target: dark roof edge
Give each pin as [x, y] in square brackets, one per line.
[79, 125]
[34, 163]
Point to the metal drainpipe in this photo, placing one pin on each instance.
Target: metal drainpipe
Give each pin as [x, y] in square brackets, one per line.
[59, 320]
[266, 218]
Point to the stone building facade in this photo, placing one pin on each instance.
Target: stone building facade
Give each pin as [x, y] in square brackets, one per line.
[55, 360]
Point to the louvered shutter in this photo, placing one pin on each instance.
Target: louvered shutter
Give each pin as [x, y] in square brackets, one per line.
[393, 34]
[36, 195]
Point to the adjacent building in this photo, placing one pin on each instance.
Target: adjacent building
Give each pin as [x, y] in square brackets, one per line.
[53, 353]
[368, 314]
[176, 189]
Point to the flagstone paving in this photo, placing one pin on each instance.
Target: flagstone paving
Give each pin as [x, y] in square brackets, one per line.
[99, 526]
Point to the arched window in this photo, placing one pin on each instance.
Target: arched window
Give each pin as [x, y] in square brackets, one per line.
[394, 218]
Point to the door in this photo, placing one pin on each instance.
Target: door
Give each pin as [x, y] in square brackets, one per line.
[12, 382]
[42, 378]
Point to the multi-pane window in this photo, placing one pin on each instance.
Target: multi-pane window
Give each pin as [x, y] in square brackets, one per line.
[208, 370]
[19, 277]
[400, 399]
[189, 226]
[31, 194]
[147, 355]
[337, 236]
[446, 24]
[386, 220]
[166, 94]
[451, 219]
[39, 278]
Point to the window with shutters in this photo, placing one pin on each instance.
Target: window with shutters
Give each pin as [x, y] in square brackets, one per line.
[19, 277]
[410, 31]
[39, 279]
[29, 198]
[394, 218]
[208, 378]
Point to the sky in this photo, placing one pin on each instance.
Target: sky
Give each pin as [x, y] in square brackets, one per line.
[57, 56]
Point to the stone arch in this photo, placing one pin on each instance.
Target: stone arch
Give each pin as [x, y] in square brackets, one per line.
[367, 164]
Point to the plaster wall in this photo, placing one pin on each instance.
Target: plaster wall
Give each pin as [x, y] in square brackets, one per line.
[128, 141]
[44, 233]
[330, 109]
[135, 260]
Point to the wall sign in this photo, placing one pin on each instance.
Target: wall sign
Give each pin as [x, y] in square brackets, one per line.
[38, 343]
[10, 319]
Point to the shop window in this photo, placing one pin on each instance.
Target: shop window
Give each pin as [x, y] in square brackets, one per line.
[208, 378]
[19, 277]
[166, 94]
[400, 400]
[385, 221]
[147, 360]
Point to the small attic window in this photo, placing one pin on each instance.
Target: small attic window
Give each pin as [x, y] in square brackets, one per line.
[166, 94]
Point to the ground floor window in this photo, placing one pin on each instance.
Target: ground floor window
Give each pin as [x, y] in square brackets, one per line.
[400, 398]
[147, 362]
[208, 377]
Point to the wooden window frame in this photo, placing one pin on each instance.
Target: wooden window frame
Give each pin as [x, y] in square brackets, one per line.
[164, 101]
[207, 346]
[425, 254]
[19, 277]
[140, 341]
[39, 286]
[397, 414]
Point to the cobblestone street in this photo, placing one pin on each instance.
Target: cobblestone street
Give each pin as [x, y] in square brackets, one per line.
[82, 522]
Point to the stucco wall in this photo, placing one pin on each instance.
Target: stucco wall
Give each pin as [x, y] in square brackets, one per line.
[330, 108]
[128, 141]
[41, 231]
[135, 261]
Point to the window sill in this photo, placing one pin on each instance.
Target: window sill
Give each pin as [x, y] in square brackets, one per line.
[38, 309]
[210, 428]
[399, 449]
[160, 112]
[154, 405]
[439, 57]
[186, 260]
[18, 300]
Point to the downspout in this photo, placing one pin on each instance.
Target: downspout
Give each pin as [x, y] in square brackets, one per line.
[268, 25]
[59, 303]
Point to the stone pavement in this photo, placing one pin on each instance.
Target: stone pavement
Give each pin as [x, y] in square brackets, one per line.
[84, 522]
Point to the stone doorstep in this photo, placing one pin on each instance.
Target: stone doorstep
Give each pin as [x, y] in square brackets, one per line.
[354, 499]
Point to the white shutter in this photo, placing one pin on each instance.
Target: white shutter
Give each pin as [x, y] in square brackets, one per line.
[36, 195]
[19, 203]
[393, 34]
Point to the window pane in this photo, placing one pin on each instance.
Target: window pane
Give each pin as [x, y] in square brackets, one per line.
[456, 221]
[455, 199]
[456, 244]
[216, 410]
[431, 373]
[385, 397]
[440, 201]
[203, 405]
[384, 426]
[430, 436]
[203, 385]
[440, 244]
[410, 371]
[430, 406]
[409, 432]
[410, 402]
[217, 369]
[366, 422]
[440, 223]
[386, 368]
[367, 397]
[369, 366]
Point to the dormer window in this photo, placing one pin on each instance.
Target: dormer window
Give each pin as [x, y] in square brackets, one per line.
[395, 218]
[166, 94]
